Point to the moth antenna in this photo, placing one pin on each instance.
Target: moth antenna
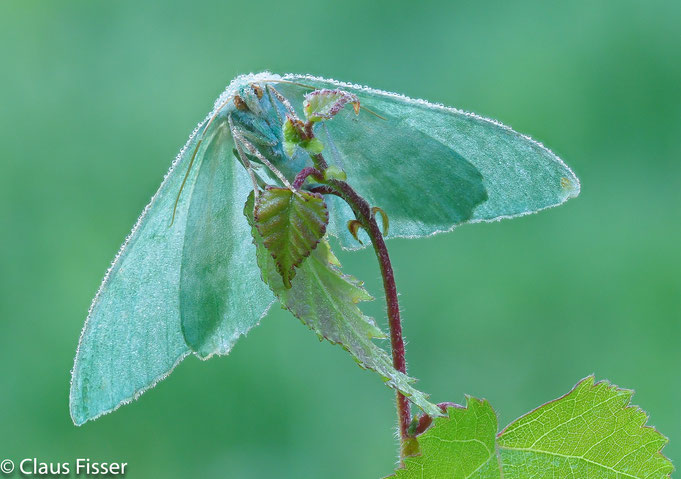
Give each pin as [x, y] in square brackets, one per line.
[373, 113]
[244, 159]
[254, 151]
[184, 180]
[274, 106]
[294, 83]
[191, 162]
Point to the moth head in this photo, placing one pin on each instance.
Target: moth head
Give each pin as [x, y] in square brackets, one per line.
[248, 99]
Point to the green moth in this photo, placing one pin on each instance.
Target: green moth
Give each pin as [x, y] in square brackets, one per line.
[186, 280]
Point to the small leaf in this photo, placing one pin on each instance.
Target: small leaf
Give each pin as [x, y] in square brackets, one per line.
[313, 146]
[384, 218]
[291, 226]
[325, 300]
[324, 104]
[353, 228]
[293, 138]
[332, 172]
[590, 432]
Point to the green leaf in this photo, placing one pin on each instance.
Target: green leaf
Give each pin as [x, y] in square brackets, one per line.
[291, 226]
[325, 300]
[332, 172]
[458, 446]
[325, 104]
[312, 146]
[591, 432]
[293, 138]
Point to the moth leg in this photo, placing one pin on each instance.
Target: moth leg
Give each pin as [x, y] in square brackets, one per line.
[274, 106]
[258, 139]
[254, 151]
[273, 91]
[244, 159]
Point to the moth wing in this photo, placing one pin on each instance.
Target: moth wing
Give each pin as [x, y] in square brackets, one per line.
[430, 167]
[132, 337]
[221, 293]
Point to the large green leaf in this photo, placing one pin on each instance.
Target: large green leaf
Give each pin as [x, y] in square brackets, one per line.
[591, 432]
[326, 300]
[291, 225]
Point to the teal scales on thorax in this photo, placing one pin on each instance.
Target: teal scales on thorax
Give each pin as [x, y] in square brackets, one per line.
[259, 115]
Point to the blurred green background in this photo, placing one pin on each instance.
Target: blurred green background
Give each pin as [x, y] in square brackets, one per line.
[96, 98]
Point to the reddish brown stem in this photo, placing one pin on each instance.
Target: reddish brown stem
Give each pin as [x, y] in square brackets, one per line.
[304, 174]
[362, 211]
[394, 321]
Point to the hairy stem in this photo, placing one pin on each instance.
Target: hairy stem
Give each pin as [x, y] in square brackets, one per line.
[363, 213]
[304, 174]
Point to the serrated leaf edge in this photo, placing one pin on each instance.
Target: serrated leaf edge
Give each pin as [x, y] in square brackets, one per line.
[628, 393]
[297, 263]
[593, 385]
